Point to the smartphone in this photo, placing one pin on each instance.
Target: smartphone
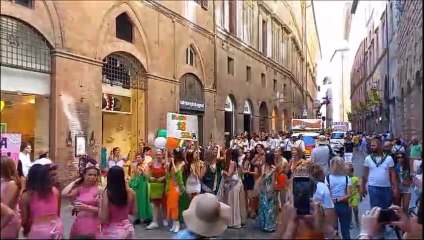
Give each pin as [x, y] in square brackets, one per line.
[302, 194]
[387, 215]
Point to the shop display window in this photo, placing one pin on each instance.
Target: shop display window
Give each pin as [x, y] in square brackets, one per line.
[28, 115]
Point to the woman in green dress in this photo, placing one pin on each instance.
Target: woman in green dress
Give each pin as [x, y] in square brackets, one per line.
[140, 186]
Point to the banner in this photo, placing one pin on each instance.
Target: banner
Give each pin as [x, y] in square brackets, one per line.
[306, 124]
[182, 126]
[10, 145]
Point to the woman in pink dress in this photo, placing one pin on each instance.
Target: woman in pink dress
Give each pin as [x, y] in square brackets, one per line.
[117, 203]
[10, 192]
[41, 206]
[85, 194]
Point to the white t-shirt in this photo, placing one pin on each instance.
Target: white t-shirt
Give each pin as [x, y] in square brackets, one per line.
[112, 163]
[287, 145]
[338, 186]
[379, 176]
[323, 196]
[300, 144]
[26, 163]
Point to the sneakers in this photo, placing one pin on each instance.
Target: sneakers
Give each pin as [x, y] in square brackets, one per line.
[165, 223]
[152, 225]
[177, 227]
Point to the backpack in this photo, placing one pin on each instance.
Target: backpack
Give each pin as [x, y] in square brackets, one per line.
[329, 186]
[331, 154]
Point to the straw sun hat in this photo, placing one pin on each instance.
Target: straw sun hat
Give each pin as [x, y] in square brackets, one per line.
[206, 216]
[322, 140]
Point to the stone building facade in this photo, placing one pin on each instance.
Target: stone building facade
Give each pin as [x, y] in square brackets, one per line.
[75, 78]
[409, 70]
[264, 77]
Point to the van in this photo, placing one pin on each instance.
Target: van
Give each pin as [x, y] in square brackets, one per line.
[337, 140]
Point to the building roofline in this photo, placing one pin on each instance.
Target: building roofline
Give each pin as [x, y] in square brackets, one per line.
[316, 29]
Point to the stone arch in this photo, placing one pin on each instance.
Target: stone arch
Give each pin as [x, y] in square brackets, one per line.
[275, 119]
[53, 33]
[105, 48]
[248, 116]
[34, 54]
[191, 89]
[263, 117]
[230, 117]
[181, 52]
[285, 120]
[134, 69]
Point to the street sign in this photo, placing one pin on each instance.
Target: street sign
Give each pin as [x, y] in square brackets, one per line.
[305, 113]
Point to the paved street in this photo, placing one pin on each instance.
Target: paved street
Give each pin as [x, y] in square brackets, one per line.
[250, 231]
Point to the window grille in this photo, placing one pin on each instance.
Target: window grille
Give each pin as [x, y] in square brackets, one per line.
[23, 47]
[124, 71]
[25, 3]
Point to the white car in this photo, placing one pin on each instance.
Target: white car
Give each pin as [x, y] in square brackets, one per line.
[337, 140]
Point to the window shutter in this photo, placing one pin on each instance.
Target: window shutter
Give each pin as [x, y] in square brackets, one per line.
[205, 4]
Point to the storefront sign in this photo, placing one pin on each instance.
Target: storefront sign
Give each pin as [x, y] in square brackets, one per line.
[182, 126]
[191, 93]
[189, 105]
[10, 145]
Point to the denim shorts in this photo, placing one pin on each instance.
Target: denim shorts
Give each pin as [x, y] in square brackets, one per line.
[405, 188]
[380, 196]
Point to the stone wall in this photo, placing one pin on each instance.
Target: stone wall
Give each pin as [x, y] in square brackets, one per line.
[409, 52]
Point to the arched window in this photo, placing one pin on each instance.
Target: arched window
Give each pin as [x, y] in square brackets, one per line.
[191, 56]
[120, 69]
[23, 47]
[124, 28]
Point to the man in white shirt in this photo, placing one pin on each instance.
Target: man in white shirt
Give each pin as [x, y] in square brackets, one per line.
[274, 142]
[25, 158]
[299, 143]
[253, 142]
[379, 176]
[286, 145]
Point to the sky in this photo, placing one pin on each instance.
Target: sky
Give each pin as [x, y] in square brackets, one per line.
[329, 19]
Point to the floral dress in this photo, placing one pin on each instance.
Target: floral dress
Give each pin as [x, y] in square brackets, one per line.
[268, 204]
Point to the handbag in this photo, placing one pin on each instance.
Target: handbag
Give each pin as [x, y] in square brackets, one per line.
[156, 190]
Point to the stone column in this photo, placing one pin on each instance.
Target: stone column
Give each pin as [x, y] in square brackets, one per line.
[76, 94]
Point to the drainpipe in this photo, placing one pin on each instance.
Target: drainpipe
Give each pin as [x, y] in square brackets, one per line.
[215, 74]
[388, 70]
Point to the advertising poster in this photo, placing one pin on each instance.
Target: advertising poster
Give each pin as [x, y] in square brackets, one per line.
[182, 126]
[10, 145]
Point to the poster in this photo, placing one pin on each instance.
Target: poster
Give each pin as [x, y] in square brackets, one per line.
[182, 126]
[306, 124]
[10, 145]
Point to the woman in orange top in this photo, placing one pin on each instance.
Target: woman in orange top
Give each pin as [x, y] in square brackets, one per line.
[157, 176]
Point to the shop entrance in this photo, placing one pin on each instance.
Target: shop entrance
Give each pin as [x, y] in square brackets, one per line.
[123, 107]
[192, 100]
[25, 83]
[247, 117]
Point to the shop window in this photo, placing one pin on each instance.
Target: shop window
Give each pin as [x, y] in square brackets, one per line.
[275, 85]
[263, 80]
[230, 66]
[264, 37]
[248, 74]
[124, 28]
[24, 3]
[27, 115]
[190, 56]
[23, 47]
[233, 17]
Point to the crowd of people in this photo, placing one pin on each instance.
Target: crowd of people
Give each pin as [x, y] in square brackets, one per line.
[200, 191]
